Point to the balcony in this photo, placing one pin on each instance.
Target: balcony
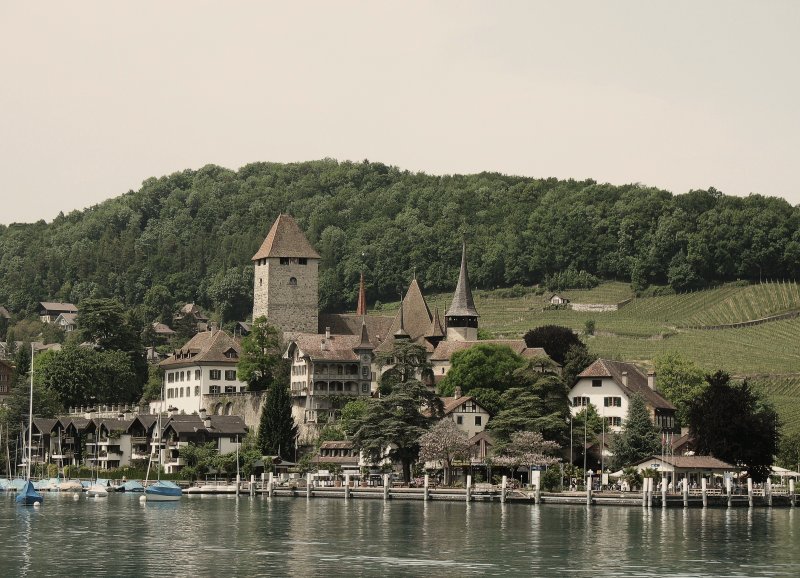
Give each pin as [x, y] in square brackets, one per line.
[139, 440]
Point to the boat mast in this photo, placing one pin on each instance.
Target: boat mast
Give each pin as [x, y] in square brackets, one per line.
[30, 420]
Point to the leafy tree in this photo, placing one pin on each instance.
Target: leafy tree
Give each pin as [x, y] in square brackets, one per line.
[489, 399]
[104, 323]
[639, 438]
[351, 413]
[586, 425]
[487, 366]
[159, 303]
[554, 339]
[155, 381]
[277, 432]
[789, 452]
[527, 448]
[732, 423]
[444, 442]
[680, 380]
[232, 293]
[262, 363]
[406, 363]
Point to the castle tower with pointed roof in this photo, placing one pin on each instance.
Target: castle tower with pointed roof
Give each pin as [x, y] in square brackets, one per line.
[286, 283]
[462, 317]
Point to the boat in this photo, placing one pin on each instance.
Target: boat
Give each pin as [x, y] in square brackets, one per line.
[131, 486]
[162, 490]
[28, 496]
[97, 491]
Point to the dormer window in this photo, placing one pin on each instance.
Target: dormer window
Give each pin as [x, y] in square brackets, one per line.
[231, 354]
[302, 261]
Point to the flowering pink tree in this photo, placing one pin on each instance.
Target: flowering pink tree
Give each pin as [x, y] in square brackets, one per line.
[444, 442]
[527, 448]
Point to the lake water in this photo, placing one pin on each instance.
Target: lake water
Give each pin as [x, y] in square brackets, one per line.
[229, 536]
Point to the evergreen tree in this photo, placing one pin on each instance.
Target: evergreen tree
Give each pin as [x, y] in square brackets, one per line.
[639, 438]
[732, 423]
[276, 430]
[262, 363]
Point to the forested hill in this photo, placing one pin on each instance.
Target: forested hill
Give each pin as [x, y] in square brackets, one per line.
[190, 236]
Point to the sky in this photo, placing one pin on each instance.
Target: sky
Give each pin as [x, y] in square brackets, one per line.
[98, 96]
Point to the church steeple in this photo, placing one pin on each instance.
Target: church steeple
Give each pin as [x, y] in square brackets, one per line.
[401, 332]
[462, 317]
[361, 308]
[435, 333]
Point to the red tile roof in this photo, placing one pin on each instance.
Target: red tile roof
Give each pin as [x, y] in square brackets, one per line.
[637, 381]
[205, 347]
[286, 239]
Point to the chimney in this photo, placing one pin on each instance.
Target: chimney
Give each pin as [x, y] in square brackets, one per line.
[457, 392]
[625, 378]
[206, 421]
[327, 334]
[651, 380]
[202, 413]
[173, 411]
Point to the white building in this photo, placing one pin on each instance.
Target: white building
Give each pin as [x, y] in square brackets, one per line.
[468, 415]
[205, 366]
[608, 386]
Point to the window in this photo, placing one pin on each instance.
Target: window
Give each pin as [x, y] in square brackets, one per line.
[302, 261]
[170, 377]
[188, 391]
[597, 383]
[197, 374]
[612, 401]
[292, 281]
[213, 390]
[181, 390]
[364, 388]
[230, 375]
[614, 421]
[478, 420]
[181, 376]
[459, 419]
[197, 390]
[215, 374]
[365, 372]
[284, 260]
[579, 401]
[230, 389]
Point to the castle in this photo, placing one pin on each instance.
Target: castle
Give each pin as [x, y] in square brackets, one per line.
[334, 355]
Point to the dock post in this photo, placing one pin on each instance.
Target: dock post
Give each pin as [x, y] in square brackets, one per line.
[768, 491]
[425, 495]
[271, 486]
[791, 491]
[347, 486]
[750, 492]
[664, 492]
[263, 477]
[238, 483]
[644, 492]
[308, 485]
[685, 489]
[650, 492]
[589, 490]
[503, 489]
[469, 487]
[385, 486]
[252, 485]
[728, 491]
[704, 491]
[538, 495]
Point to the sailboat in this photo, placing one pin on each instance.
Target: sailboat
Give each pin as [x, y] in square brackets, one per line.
[97, 490]
[162, 490]
[28, 496]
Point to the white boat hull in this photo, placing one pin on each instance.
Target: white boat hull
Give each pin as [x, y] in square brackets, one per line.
[97, 492]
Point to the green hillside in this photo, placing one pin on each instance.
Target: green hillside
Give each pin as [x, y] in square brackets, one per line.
[648, 327]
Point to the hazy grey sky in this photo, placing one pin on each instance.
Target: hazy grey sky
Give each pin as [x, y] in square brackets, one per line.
[98, 96]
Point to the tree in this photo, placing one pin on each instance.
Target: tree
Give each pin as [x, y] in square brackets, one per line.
[732, 423]
[232, 293]
[540, 405]
[277, 432]
[554, 339]
[576, 360]
[262, 363]
[486, 365]
[680, 380]
[444, 442]
[392, 424]
[527, 448]
[639, 438]
[586, 425]
[789, 452]
[351, 413]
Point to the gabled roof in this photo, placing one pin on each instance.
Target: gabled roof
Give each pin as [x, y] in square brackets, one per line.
[451, 404]
[44, 424]
[192, 309]
[378, 326]
[435, 329]
[692, 462]
[416, 318]
[637, 381]
[445, 350]
[70, 318]
[285, 239]
[111, 424]
[162, 329]
[56, 307]
[318, 348]
[205, 347]
[463, 305]
[147, 420]
[220, 425]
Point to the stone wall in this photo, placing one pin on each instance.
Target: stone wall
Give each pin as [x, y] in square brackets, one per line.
[288, 295]
[248, 405]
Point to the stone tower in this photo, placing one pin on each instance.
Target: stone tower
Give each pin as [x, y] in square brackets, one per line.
[462, 317]
[286, 283]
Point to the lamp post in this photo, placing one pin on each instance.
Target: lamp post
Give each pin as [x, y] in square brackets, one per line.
[585, 419]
